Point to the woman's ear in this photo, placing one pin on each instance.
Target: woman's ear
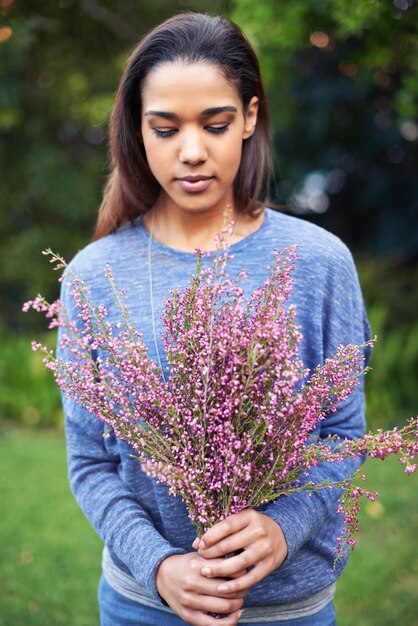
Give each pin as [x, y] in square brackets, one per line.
[250, 118]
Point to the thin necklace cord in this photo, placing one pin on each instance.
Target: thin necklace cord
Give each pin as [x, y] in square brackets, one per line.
[151, 291]
[151, 281]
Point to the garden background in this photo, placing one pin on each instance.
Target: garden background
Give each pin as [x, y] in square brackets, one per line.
[342, 78]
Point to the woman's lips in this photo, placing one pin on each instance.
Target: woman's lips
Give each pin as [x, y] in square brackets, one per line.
[195, 184]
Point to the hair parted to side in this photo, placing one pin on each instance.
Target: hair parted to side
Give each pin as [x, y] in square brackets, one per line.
[131, 189]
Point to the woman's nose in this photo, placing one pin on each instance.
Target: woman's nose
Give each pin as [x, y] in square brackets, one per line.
[192, 149]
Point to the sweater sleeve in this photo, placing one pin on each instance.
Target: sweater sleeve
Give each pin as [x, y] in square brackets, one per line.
[342, 321]
[96, 482]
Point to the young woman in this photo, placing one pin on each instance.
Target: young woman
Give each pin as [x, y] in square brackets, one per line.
[190, 147]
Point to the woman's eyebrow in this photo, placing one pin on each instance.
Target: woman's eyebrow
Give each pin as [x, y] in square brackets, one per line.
[214, 110]
[168, 115]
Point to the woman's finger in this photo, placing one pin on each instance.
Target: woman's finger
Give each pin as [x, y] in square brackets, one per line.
[230, 525]
[208, 586]
[212, 604]
[230, 567]
[200, 618]
[230, 544]
[244, 583]
[242, 572]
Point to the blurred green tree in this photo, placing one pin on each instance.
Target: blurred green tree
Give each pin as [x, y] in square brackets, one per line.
[343, 80]
[60, 64]
[343, 89]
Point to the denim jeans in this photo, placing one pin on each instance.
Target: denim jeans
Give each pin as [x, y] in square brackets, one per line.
[116, 610]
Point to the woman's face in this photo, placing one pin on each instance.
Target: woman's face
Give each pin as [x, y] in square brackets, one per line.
[193, 125]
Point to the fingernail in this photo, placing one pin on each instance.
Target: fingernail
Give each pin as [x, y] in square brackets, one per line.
[195, 543]
[223, 588]
[206, 571]
[202, 545]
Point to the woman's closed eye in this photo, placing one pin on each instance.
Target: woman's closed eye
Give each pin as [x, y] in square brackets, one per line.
[164, 133]
[218, 130]
[169, 132]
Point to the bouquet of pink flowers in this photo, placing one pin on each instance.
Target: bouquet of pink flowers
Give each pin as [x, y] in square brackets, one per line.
[231, 426]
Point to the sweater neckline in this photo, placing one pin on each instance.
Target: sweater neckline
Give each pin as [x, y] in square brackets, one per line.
[235, 247]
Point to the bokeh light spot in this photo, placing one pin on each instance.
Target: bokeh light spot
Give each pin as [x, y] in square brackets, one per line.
[382, 79]
[319, 39]
[396, 154]
[374, 509]
[26, 557]
[348, 68]
[5, 33]
[409, 130]
[402, 5]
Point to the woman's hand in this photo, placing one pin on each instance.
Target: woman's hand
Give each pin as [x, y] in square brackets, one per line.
[261, 542]
[192, 595]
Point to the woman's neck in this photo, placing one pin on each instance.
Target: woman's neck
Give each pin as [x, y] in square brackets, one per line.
[187, 231]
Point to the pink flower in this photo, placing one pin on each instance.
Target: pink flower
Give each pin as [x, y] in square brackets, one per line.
[230, 428]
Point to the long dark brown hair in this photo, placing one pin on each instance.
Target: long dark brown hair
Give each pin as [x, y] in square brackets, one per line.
[131, 189]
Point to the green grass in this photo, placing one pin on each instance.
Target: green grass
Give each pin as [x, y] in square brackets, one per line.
[380, 585]
[50, 561]
[28, 394]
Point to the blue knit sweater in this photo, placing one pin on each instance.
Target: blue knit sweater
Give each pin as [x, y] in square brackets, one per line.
[138, 520]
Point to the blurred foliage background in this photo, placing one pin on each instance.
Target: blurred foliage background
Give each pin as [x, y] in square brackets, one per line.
[342, 78]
